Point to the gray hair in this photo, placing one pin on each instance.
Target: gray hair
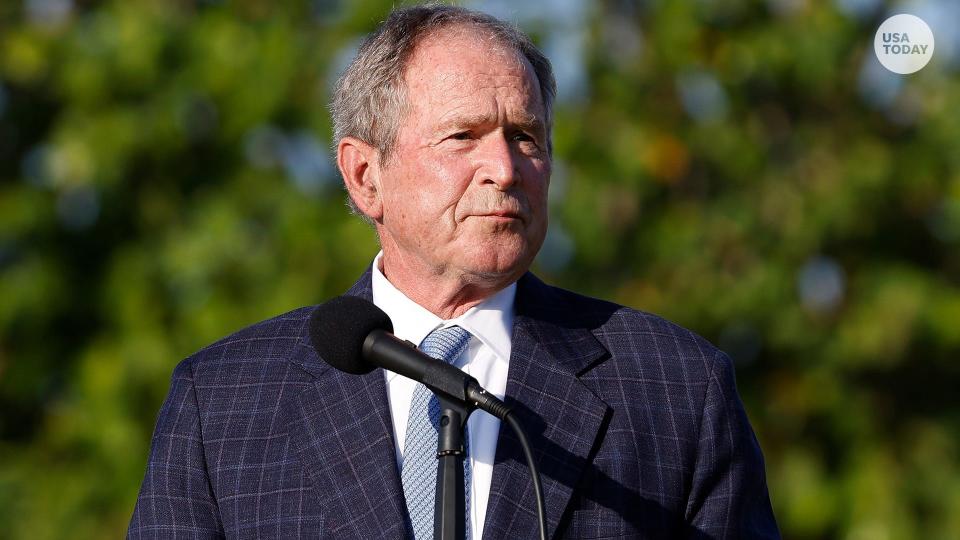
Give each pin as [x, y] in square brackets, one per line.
[369, 100]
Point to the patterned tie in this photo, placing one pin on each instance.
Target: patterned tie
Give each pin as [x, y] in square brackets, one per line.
[419, 469]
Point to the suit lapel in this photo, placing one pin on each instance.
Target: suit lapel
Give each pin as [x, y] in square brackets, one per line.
[562, 417]
[341, 429]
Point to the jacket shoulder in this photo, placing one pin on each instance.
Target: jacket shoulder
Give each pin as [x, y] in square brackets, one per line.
[258, 346]
[605, 317]
[634, 333]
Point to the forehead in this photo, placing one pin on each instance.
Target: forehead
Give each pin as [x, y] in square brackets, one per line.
[456, 66]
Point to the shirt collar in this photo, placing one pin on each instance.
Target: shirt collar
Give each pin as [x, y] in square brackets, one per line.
[490, 321]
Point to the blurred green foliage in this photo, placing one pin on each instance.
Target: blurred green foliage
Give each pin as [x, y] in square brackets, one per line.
[743, 168]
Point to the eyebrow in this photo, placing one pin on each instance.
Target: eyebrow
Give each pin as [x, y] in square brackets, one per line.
[529, 122]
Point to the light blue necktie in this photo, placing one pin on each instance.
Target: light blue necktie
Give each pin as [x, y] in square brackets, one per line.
[419, 470]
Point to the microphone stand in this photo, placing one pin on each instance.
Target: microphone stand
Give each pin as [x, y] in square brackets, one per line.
[449, 511]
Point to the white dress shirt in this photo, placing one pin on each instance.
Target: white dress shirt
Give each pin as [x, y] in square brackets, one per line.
[486, 359]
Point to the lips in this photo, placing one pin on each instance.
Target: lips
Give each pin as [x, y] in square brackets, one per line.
[504, 208]
[503, 214]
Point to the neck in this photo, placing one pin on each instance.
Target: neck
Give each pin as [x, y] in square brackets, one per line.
[446, 296]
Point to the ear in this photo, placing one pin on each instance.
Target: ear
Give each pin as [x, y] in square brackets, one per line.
[357, 162]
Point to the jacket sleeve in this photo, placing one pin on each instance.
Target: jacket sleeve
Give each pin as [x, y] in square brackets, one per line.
[176, 498]
[728, 497]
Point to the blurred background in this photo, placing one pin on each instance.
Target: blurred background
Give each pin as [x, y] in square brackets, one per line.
[745, 168]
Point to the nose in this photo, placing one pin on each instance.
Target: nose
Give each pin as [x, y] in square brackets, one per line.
[496, 162]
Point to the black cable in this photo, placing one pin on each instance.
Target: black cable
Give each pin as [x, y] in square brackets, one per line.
[534, 473]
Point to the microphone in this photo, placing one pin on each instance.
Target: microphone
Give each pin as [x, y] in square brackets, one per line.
[355, 336]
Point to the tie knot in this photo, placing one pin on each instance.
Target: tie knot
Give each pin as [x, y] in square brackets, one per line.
[445, 343]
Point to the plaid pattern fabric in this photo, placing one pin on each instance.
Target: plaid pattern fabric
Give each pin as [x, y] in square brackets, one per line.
[635, 422]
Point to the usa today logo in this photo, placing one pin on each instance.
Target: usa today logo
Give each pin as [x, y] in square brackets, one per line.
[904, 44]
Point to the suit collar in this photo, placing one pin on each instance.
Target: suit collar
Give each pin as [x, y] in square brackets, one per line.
[311, 362]
[560, 327]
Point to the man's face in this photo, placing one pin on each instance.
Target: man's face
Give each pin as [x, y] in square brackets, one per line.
[465, 190]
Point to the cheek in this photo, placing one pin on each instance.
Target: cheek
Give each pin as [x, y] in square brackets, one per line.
[443, 186]
[536, 188]
[431, 194]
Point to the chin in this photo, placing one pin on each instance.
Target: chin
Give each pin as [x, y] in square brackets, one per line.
[497, 263]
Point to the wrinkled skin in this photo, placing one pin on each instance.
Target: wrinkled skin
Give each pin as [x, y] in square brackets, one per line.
[460, 204]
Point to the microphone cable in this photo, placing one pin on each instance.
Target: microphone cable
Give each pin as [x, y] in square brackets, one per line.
[534, 472]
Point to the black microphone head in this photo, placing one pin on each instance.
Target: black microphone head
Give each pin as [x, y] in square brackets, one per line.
[339, 327]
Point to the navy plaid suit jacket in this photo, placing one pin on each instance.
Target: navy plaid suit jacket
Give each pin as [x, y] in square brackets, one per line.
[635, 422]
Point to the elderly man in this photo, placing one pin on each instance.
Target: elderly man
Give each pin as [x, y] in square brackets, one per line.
[442, 125]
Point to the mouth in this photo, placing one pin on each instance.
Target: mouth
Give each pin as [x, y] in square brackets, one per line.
[506, 211]
[503, 215]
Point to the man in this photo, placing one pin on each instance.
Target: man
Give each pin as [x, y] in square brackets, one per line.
[442, 126]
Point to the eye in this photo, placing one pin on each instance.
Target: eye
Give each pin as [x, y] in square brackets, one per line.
[523, 137]
[462, 136]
